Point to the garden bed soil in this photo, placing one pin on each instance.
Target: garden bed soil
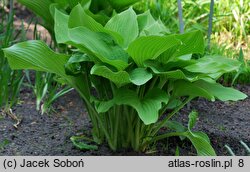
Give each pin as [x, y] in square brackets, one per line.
[225, 123]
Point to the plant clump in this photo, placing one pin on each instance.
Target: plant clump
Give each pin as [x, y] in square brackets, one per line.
[132, 74]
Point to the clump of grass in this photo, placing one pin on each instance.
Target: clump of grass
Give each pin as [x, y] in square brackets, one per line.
[45, 86]
[195, 13]
[46, 89]
[231, 21]
[10, 81]
[230, 31]
[242, 76]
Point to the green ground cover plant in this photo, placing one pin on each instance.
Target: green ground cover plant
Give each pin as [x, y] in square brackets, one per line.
[132, 74]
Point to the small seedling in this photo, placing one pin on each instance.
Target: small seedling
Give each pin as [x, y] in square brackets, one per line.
[245, 146]
[230, 151]
[4, 143]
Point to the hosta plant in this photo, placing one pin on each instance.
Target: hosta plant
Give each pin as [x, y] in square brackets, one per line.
[45, 8]
[132, 75]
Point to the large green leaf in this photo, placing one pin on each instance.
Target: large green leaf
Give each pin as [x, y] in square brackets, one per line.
[172, 74]
[145, 20]
[172, 65]
[138, 76]
[220, 92]
[201, 143]
[79, 17]
[207, 90]
[186, 88]
[171, 71]
[61, 27]
[120, 78]
[124, 23]
[38, 56]
[191, 43]
[150, 47]
[35, 55]
[101, 45]
[62, 31]
[214, 64]
[157, 28]
[147, 107]
[149, 26]
[85, 4]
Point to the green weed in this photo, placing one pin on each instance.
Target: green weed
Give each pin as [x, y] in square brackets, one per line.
[4, 143]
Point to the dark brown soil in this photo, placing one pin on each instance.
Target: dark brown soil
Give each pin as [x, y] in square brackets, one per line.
[225, 123]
